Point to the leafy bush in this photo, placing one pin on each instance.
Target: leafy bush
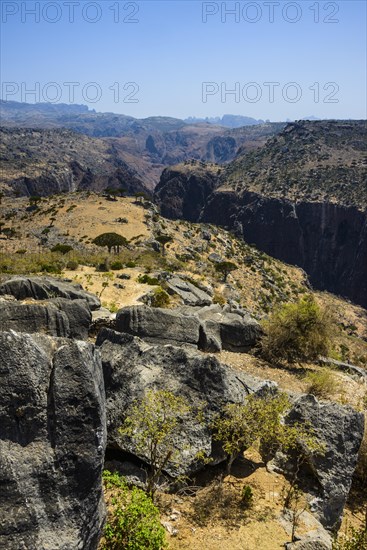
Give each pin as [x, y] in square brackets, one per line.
[260, 419]
[322, 383]
[72, 265]
[103, 266]
[146, 280]
[133, 522]
[160, 298]
[51, 268]
[131, 264]
[356, 539]
[295, 332]
[116, 265]
[247, 496]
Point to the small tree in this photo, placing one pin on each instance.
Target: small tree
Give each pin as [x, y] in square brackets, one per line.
[225, 268]
[111, 240]
[9, 232]
[111, 193]
[163, 240]
[152, 425]
[34, 200]
[260, 418]
[140, 196]
[300, 331]
[62, 248]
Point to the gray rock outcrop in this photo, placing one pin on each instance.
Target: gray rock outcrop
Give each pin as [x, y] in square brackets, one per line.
[159, 325]
[52, 443]
[231, 330]
[131, 367]
[340, 429]
[44, 288]
[210, 328]
[57, 317]
[189, 293]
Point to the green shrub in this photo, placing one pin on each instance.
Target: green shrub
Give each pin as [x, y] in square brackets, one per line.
[356, 539]
[146, 280]
[133, 520]
[247, 496]
[72, 265]
[260, 419]
[152, 425]
[131, 264]
[51, 268]
[321, 383]
[296, 332]
[160, 298]
[103, 266]
[116, 265]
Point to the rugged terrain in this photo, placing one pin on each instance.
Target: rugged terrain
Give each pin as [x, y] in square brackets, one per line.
[301, 198]
[139, 148]
[43, 162]
[140, 346]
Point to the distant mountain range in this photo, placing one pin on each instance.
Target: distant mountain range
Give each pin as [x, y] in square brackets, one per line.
[228, 121]
[144, 146]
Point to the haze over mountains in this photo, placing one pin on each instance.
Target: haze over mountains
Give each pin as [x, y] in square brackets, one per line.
[147, 146]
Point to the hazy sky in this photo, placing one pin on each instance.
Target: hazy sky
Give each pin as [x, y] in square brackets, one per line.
[279, 59]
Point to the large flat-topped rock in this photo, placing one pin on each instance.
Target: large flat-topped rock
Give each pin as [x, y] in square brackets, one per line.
[43, 288]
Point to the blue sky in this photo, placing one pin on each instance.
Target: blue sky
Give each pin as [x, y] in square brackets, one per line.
[182, 58]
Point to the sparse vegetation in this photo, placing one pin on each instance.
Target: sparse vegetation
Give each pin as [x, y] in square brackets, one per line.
[259, 419]
[322, 383]
[160, 298]
[152, 424]
[133, 520]
[296, 332]
[111, 240]
[62, 248]
[355, 539]
[147, 280]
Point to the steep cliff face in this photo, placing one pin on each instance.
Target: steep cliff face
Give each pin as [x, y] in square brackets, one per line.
[327, 240]
[184, 189]
[301, 198]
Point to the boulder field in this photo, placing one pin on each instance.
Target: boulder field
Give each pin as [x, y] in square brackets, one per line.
[62, 400]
